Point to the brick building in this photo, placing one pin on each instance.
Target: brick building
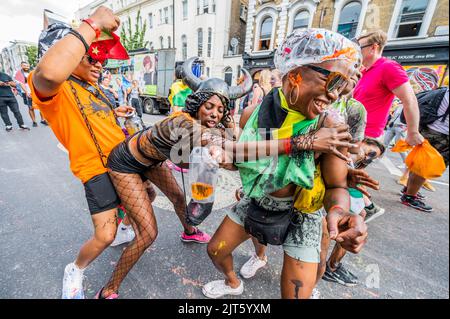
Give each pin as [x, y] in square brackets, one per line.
[417, 29]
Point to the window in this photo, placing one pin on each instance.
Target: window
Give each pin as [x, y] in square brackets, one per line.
[205, 6]
[200, 42]
[209, 42]
[184, 47]
[171, 14]
[301, 20]
[228, 75]
[410, 19]
[150, 20]
[160, 16]
[199, 6]
[166, 15]
[185, 9]
[161, 42]
[213, 6]
[169, 42]
[265, 37]
[208, 71]
[349, 19]
[243, 12]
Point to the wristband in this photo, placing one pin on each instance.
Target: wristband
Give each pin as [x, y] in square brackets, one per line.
[288, 146]
[94, 26]
[80, 37]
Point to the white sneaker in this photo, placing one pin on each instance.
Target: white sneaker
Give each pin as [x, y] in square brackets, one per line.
[217, 289]
[125, 234]
[72, 283]
[315, 294]
[252, 266]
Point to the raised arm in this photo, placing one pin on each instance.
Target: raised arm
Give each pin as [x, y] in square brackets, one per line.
[61, 60]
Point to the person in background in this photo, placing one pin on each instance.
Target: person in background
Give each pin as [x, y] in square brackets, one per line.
[276, 80]
[382, 81]
[110, 93]
[261, 88]
[134, 99]
[179, 91]
[121, 92]
[21, 78]
[437, 133]
[7, 99]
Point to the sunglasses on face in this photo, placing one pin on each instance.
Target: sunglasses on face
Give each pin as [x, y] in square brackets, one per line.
[335, 80]
[93, 61]
[355, 40]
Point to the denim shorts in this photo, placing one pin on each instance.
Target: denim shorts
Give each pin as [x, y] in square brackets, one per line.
[302, 242]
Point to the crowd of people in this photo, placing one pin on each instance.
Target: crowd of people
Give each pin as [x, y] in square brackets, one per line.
[306, 134]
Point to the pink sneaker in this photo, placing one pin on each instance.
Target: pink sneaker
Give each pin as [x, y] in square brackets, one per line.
[198, 237]
[99, 295]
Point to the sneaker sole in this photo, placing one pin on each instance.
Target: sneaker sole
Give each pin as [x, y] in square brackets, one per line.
[206, 294]
[421, 198]
[417, 208]
[338, 281]
[375, 216]
[193, 241]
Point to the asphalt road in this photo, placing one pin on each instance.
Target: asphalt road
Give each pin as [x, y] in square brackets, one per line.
[45, 221]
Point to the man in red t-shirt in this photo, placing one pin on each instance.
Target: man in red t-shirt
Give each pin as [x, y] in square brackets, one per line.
[382, 81]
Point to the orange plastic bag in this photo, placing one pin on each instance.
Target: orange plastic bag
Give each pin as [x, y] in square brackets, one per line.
[424, 160]
[401, 147]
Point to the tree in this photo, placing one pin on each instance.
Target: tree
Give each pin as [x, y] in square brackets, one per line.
[134, 40]
[31, 54]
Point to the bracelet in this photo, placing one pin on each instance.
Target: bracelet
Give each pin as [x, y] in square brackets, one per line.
[288, 146]
[80, 37]
[94, 26]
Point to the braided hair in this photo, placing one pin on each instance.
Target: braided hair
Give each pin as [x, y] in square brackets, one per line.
[196, 100]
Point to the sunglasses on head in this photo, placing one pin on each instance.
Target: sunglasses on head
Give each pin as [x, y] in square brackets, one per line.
[335, 80]
[93, 61]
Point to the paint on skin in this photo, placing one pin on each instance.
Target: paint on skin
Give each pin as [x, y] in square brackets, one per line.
[222, 245]
[298, 284]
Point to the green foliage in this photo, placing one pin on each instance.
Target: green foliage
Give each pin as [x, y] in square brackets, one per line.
[133, 40]
[31, 54]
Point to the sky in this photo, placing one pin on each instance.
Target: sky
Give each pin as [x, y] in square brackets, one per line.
[23, 19]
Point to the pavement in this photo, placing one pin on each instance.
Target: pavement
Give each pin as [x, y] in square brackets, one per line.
[45, 221]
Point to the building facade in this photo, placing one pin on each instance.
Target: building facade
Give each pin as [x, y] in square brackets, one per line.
[12, 56]
[211, 29]
[417, 29]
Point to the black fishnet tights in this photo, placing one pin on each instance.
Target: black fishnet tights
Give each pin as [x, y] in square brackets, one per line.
[133, 194]
[162, 177]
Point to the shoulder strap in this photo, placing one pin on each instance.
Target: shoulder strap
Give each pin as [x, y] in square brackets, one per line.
[93, 90]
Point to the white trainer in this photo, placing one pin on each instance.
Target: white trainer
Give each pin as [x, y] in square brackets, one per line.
[72, 283]
[218, 289]
[125, 234]
[252, 266]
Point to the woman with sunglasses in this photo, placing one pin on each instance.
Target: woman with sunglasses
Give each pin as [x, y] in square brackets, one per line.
[84, 121]
[315, 65]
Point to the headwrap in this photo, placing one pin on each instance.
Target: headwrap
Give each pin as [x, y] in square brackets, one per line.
[313, 46]
[196, 100]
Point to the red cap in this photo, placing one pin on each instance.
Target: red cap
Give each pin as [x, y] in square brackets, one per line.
[108, 46]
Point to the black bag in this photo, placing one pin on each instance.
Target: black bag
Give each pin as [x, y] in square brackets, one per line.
[268, 227]
[197, 212]
[429, 103]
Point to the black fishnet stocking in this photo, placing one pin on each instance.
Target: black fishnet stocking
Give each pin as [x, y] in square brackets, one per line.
[162, 177]
[135, 199]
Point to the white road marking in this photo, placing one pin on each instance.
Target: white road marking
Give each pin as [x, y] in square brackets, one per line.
[391, 167]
